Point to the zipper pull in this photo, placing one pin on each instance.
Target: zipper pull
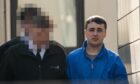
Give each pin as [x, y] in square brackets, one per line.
[92, 66]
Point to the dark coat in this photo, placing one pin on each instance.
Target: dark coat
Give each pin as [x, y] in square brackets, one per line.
[21, 64]
[4, 47]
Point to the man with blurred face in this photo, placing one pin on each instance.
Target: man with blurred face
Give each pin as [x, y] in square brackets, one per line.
[93, 63]
[38, 59]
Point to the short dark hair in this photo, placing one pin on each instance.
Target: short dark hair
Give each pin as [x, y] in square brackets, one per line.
[27, 13]
[97, 19]
[42, 21]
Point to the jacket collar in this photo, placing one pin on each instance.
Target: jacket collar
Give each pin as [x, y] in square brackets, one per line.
[101, 54]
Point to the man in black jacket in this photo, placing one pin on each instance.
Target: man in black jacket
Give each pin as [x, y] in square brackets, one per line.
[36, 59]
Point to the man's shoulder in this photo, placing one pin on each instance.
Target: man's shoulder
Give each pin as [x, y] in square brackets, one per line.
[15, 51]
[55, 47]
[9, 43]
[55, 44]
[13, 41]
[75, 53]
[112, 53]
[112, 56]
[17, 47]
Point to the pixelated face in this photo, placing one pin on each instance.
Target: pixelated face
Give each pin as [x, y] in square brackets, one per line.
[95, 33]
[39, 35]
[27, 24]
[26, 14]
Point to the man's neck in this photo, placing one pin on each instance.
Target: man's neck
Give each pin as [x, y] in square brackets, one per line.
[93, 50]
[42, 46]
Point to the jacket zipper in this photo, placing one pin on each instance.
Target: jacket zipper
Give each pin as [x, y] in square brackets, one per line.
[40, 74]
[92, 68]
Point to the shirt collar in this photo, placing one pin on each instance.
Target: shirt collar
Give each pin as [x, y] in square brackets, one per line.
[101, 53]
[33, 48]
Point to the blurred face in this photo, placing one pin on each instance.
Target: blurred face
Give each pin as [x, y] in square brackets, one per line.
[26, 25]
[95, 34]
[40, 36]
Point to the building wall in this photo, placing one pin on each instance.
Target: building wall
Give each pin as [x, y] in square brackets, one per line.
[5, 21]
[2, 22]
[8, 20]
[129, 37]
